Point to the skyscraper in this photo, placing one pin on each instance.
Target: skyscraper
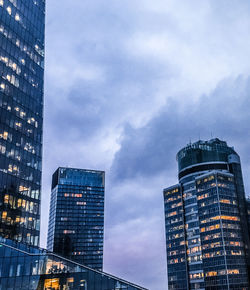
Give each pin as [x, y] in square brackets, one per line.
[21, 117]
[76, 218]
[207, 237]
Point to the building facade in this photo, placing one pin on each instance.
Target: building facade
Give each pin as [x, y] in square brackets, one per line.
[21, 117]
[24, 267]
[76, 220]
[207, 236]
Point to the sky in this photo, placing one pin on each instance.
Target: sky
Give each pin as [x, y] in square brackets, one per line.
[127, 85]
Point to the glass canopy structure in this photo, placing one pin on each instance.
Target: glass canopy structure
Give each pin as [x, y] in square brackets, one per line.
[26, 267]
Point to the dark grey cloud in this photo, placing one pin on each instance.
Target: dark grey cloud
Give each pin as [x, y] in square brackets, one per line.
[151, 150]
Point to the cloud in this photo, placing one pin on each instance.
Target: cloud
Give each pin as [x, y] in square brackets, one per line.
[128, 84]
[151, 150]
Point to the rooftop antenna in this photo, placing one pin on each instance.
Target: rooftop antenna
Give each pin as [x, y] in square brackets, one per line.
[211, 135]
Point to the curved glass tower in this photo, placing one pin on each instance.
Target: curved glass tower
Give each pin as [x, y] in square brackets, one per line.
[207, 235]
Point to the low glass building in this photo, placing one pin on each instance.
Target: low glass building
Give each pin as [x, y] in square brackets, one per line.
[26, 267]
[207, 236]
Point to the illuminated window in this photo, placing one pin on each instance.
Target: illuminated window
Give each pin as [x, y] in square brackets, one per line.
[81, 203]
[6, 198]
[17, 17]
[233, 272]
[52, 284]
[9, 10]
[4, 215]
[68, 232]
[227, 201]
[212, 273]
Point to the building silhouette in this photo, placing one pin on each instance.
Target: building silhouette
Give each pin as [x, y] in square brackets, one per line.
[76, 219]
[207, 233]
[21, 118]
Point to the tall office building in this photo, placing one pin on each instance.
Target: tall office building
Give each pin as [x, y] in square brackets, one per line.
[207, 237]
[21, 117]
[76, 218]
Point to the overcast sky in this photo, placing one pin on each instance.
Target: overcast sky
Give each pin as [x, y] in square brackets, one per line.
[128, 84]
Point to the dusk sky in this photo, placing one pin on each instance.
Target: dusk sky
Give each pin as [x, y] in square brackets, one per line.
[128, 84]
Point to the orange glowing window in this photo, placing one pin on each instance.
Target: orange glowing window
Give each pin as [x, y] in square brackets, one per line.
[4, 215]
[6, 198]
[233, 272]
[172, 213]
[212, 273]
[52, 284]
[19, 202]
[227, 201]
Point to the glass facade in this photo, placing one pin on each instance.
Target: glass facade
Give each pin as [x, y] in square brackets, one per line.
[208, 207]
[24, 267]
[21, 117]
[76, 219]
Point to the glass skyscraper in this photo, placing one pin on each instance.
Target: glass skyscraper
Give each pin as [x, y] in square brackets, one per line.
[21, 117]
[207, 234]
[76, 219]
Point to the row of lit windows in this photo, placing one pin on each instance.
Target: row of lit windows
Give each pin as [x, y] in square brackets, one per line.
[84, 253]
[189, 194]
[212, 245]
[176, 260]
[176, 205]
[27, 222]
[172, 214]
[176, 236]
[194, 250]
[17, 156]
[17, 82]
[221, 253]
[26, 146]
[223, 272]
[195, 258]
[172, 191]
[212, 185]
[175, 244]
[20, 113]
[13, 202]
[174, 220]
[11, 64]
[14, 170]
[176, 228]
[193, 241]
[173, 198]
[223, 217]
[209, 178]
[72, 195]
[27, 238]
[210, 228]
[226, 217]
[23, 47]
[196, 276]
